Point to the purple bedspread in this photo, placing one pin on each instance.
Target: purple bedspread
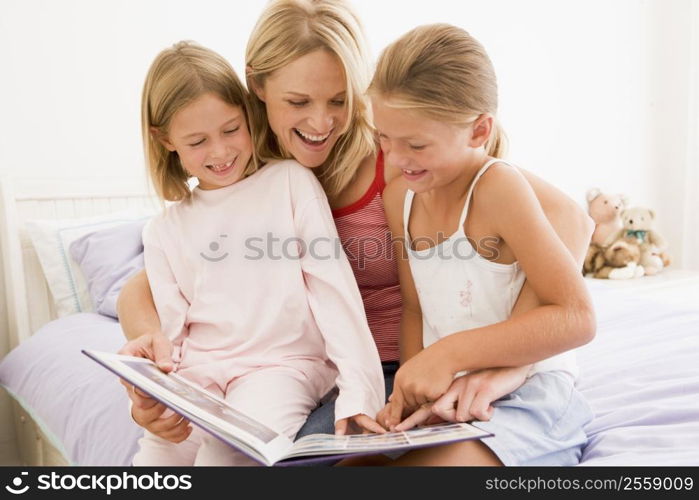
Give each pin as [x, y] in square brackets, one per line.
[641, 377]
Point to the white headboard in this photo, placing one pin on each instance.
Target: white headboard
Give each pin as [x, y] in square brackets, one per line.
[28, 300]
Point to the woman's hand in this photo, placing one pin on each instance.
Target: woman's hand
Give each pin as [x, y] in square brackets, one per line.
[357, 424]
[470, 396]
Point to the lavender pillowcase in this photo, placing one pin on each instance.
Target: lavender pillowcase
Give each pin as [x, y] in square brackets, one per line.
[108, 258]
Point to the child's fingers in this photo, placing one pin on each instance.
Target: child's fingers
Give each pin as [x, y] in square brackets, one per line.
[434, 419]
[445, 407]
[448, 414]
[176, 434]
[463, 407]
[177, 437]
[396, 410]
[480, 406]
[140, 399]
[418, 417]
[145, 416]
[167, 424]
[341, 427]
[162, 352]
[369, 424]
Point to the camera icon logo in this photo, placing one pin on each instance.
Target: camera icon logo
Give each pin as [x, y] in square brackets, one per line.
[17, 483]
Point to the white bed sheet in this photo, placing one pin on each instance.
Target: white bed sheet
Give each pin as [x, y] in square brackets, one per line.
[641, 376]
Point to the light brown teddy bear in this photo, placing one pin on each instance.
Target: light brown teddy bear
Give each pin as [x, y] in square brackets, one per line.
[638, 228]
[605, 210]
[619, 261]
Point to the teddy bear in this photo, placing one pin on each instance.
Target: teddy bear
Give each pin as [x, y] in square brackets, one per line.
[639, 229]
[620, 260]
[605, 210]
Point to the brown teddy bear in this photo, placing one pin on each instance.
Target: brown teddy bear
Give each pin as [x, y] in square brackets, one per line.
[618, 261]
[639, 229]
[605, 210]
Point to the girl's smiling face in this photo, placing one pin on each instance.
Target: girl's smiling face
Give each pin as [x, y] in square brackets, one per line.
[306, 106]
[429, 153]
[211, 139]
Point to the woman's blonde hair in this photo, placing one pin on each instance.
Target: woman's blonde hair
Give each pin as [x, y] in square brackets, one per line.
[444, 73]
[179, 75]
[289, 29]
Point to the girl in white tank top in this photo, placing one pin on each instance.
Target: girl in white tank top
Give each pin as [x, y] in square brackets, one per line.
[461, 290]
[434, 99]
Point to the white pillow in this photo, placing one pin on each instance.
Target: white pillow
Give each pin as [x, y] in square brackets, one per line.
[52, 239]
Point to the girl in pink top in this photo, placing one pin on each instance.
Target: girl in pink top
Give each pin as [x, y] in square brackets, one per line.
[269, 327]
[308, 68]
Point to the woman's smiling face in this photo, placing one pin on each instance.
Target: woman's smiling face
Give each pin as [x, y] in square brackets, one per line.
[306, 103]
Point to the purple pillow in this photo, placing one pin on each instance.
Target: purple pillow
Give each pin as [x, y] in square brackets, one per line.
[108, 258]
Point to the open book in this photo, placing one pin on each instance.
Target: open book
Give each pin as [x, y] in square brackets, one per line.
[258, 441]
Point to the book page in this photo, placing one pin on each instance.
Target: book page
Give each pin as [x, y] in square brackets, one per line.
[448, 432]
[201, 407]
[203, 400]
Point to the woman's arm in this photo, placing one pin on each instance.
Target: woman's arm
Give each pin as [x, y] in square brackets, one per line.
[564, 320]
[570, 222]
[141, 325]
[136, 309]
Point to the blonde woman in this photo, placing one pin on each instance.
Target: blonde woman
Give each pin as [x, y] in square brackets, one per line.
[308, 67]
[219, 305]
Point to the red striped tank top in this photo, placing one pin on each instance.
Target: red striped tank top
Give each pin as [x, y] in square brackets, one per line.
[366, 239]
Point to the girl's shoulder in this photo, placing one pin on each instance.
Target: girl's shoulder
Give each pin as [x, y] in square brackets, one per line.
[286, 169]
[501, 196]
[394, 197]
[501, 180]
[299, 180]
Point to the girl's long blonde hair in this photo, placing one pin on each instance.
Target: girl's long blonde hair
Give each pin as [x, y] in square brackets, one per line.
[289, 29]
[179, 75]
[441, 71]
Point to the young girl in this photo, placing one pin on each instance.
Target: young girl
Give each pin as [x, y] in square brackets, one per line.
[308, 67]
[243, 312]
[469, 229]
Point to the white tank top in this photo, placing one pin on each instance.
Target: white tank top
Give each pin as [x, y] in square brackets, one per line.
[460, 290]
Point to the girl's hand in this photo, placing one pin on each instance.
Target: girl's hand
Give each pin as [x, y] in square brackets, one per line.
[357, 424]
[154, 346]
[146, 411]
[422, 379]
[382, 417]
[423, 415]
[470, 396]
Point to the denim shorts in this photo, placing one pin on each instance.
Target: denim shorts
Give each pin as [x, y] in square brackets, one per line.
[541, 423]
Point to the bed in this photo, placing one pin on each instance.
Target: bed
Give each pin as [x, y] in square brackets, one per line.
[640, 374]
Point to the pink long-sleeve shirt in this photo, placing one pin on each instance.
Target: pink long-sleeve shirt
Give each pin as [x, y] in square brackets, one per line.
[253, 275]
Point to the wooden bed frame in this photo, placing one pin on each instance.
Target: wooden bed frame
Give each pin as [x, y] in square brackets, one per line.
[28, 299]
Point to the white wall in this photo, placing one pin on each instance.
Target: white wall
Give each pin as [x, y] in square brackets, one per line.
[593, 93]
